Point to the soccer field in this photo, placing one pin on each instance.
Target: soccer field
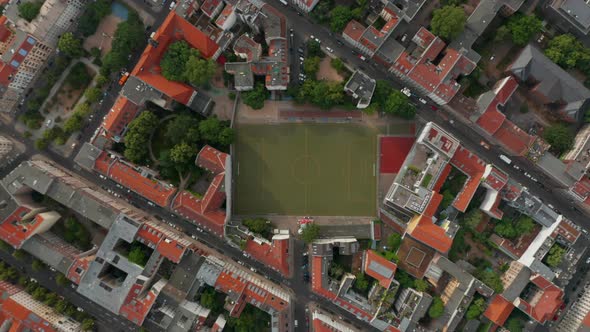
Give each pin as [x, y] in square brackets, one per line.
[305, 169]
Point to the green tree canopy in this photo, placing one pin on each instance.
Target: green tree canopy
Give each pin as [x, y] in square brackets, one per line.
[524, 225]
[138, 136]
[183, 128]
[92, 94]
[505, 229]
[361, 282]
[477, 307]
[310, 232]
[88, 324]
[514, 324]
[421, 285]
[183, 154]
[29, 10]
[555, 255]
[137, 255]
[404, 279]
[394, 240]
[314, 49]
[94, 12]
[70, 45]
[567, 51]
[523, 28]
[448, 22]
[214, 131]
[256, 97]
[259, 226]
[311, 65]
[560, 138]
[324, 94]
[437, 308]
[199, 71]
[473, 218]
[339, 18]
[399, 104]
[78, 76]
[175, 58]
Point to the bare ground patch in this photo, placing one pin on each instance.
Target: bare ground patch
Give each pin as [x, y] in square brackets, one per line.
[327, 72]
[103, 37]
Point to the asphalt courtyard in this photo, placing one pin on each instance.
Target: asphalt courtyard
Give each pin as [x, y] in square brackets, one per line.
[305, 169]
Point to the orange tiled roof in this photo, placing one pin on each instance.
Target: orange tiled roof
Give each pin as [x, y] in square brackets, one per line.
[582, 187]
[496, 179]
[173, 28]
[498, 310]
[431, 235]
[514, 138]
[136, 307]
[549, 303]
[15, 233]
[119, 116]
[275, 255]
[212, 159]
[372, 259]
[151, 189]
[191, 207]
[474, 168]
[491, 120]
[354, 30]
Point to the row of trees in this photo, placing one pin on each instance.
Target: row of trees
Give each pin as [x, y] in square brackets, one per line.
[259, 226]
[128, 38]
[183, 63]
[520, 29]
[392, 101]
[324, 94]
[39, 293]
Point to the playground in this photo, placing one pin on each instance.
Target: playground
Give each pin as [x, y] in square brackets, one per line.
[317, 169]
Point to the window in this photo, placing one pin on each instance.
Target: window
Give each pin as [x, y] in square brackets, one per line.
[14, 63]
[22, 52]
[31, 41]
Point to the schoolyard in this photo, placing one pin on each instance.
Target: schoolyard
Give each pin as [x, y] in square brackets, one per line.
[305, 169]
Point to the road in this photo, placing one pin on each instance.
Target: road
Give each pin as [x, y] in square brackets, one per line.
[468, 137]
[105, 320]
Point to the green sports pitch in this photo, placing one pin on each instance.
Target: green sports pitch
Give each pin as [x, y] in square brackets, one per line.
[305, 169]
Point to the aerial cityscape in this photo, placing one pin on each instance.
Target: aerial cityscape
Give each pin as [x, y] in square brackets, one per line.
[295, 165]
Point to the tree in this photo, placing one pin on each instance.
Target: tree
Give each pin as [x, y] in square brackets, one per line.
[19, 254]
[361, 283]
[60, 306]
[214, 131]
[448, 22]
[399, 104]
[473, 218]
[339, 18]
[61, 280]
[88, 324]
[74, 123]
[394, 240]
[404, 279]
[39, 293]
[567, 51]
[175, 59]
[502, 33]
[255, 98]
[555, 255]
[514, 325]
[78, 76]
[324, 94]
[310, 232]
[70, 45]
[476, 309]
[183, 128]
[94, 12]
[226, 136]
[560, 138]
[505, 229]
[199, 71]
[421, 285]
[524, 225]
[29, 10]
[209, 301]
[490, 278]
[37, 265]
[311, 65]
[259, 226]
[138, 135]
[101, 81]
[437, 308]
[51, 299]
[92, 94]
[314, 49]
[183, 154]
[137, 256]
[523, 28]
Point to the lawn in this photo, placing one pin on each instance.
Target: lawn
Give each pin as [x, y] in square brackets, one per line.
[305, 169]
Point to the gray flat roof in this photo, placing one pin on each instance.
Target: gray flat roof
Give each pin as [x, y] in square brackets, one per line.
[87, 155]
[578, 10]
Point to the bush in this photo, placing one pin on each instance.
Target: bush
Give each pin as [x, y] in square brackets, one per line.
[256, 97]
[29, 10]
[437, 308]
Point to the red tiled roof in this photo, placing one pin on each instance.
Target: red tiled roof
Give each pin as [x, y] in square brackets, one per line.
[275, 255]
[491, 120]
[582, 187]
[442, 178]
[316, 278]
[151, 189]
[212, 159]
[209, 6]
[567, 231]
[173, 28]
[225, 13]
[191, 207]
[496, 179]
[499, 310]
[433, 205]
[76, 271]
[505, 88]
[11, 66]
[586, 321]
[430, 234]
[136, 307]
[375, 265]
[354, 30]
[514, 138]
[119, 116]
[549, 303]
[167, 242]
[5, 32]
[474, 168]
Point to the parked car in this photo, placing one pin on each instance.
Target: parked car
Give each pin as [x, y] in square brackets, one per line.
[406, 91]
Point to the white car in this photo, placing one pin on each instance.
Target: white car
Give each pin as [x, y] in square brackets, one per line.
[422, 101]
[407, 92]
[253, 269]
[330, 49]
